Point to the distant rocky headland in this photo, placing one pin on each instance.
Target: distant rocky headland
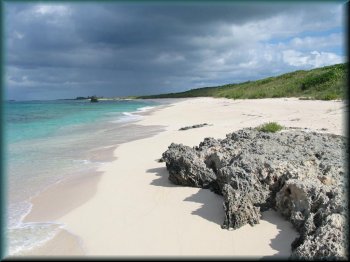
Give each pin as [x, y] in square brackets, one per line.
[99, 98]
[88, 97]
[299, 173]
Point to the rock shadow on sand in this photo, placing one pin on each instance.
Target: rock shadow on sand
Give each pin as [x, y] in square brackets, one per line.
[162, 180]
[282, 242]
[212, 206]
[212, 210]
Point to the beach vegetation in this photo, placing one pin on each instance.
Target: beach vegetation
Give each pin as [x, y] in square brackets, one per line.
[325, 83]
[271, 127]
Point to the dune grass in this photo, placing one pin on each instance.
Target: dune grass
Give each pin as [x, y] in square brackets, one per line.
[325, 83]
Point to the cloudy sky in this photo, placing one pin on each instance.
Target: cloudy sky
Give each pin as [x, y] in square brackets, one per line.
[68, 49]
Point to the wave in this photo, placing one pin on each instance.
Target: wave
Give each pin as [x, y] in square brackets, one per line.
[24, 236]
[30, 235]
[17, 212]
[145, 108]
[132, 116]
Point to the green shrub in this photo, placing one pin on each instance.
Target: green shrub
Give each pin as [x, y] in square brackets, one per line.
[316, 80]
[271, 127]
[277, 95]
[257, 94]
[329, 97]
[264, 81]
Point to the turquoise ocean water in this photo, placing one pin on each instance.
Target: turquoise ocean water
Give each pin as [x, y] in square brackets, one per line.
[48, 141]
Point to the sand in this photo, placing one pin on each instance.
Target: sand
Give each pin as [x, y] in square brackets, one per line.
[51, 204]
[136, 211]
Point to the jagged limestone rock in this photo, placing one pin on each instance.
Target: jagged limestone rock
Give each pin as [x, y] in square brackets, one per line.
[299, 173]
[186, 168]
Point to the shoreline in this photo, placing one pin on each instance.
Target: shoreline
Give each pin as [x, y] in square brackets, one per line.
[88, 179]
[77, 189]
[154, 195]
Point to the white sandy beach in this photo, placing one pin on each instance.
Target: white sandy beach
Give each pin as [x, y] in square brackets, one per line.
[134, 210]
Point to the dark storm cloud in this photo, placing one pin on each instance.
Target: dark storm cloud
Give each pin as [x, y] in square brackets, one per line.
[72, 49]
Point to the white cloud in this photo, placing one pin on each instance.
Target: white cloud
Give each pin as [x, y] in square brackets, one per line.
[313, 58]
[44, 9]
[294, 58]
[236, 47]
[244, 51]
[318, 59]
[319, 42]
[57, 15]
